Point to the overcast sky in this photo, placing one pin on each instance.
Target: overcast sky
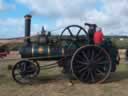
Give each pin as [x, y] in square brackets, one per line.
[111, 15]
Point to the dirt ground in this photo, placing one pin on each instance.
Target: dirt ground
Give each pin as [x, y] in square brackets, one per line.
[53, 83]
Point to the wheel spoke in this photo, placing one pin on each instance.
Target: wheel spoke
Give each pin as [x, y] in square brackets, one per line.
[79, 67]
[99, 53]
[99, 59]
[92, 56]
[83, 63]
[103, 62]
[92, 77]
[83, 69]
[23, 66]
[102, 68]
[70, 32]
[84, 76]
[79, 31]
[81, 58]
[87, 76]
[99, 71]
[85, 56]
[88, 53]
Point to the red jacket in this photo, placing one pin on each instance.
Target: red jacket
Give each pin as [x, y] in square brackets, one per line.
[98, 38]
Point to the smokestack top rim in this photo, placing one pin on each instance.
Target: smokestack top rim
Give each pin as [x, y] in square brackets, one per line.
[28, 16]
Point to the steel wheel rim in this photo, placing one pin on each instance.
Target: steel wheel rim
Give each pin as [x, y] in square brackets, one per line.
[93, 72]
[24, 77]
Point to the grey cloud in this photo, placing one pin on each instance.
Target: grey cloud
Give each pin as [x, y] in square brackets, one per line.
[59, 8]
[112, 16]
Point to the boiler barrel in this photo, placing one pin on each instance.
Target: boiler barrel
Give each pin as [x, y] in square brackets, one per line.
[44, 52]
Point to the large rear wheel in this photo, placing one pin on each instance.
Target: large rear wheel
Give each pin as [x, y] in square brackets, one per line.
[91, 64]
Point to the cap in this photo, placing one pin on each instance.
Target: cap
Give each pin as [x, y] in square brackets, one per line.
[99, 29]
[28, 16]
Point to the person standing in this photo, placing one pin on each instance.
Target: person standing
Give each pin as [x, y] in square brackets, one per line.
[98, 37]
[91, 31]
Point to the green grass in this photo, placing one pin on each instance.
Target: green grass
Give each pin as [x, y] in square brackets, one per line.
[122, 67]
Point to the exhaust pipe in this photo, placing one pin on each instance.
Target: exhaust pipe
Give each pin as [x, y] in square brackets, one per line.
[27, 40]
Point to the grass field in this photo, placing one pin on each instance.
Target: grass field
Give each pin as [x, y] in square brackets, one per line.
[53, 83]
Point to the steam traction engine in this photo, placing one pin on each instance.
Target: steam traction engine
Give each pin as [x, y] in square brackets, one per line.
[78, 57]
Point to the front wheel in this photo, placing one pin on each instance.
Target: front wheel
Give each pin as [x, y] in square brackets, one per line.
[25, 71]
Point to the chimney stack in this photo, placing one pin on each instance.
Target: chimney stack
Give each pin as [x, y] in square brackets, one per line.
[27, 29]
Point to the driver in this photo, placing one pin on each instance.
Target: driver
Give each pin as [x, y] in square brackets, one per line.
[98, 36]
[91, 31]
